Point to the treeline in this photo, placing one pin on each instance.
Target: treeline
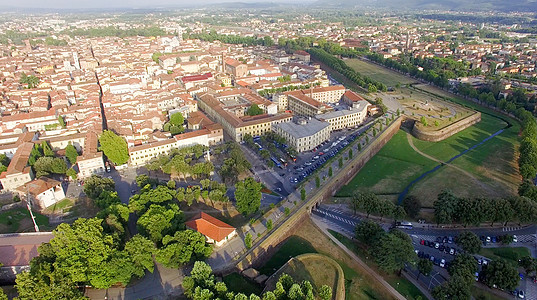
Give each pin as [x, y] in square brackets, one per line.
[116, 31]
[449, 208]
[271, 91]
[202, 285]
[435, 70]
[231, 39]
[183, 162]
[341, 67]
[304, 43]
[392, 250]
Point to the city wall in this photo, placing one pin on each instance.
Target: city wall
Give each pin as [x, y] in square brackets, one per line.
[444, 133]
[327, 190]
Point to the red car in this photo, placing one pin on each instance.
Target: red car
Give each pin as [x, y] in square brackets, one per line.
[422, 242]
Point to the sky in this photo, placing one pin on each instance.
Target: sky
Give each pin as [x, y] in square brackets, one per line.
[79, 4]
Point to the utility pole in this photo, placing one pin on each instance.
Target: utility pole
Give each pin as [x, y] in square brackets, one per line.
[30, 209]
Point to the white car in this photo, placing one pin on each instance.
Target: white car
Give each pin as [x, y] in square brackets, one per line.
[442, 263]
[515, 239]
[436, 245]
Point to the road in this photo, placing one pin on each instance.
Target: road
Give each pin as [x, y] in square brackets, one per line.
[343, 221]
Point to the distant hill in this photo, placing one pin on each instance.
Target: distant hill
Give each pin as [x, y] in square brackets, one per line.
[459, 5]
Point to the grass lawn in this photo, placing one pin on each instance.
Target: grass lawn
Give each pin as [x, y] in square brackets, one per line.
[292, 247]
[481, 294]
[240, 284]
[384, 75]
[403, 286]
[390, 170]
[18, 220]
[510, 254]
[319, 270]
[61, 206]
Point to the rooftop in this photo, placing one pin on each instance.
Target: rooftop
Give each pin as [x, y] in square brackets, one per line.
[298, 131]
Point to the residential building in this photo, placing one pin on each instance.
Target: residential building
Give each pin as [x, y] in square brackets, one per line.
[43, 192]
[216, 231]
[304, 134]
[235, 68]
[18, 172]
[91, 161]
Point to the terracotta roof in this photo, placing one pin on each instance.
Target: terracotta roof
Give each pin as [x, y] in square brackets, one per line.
[19, 249]
[210, 226]
[38, 186]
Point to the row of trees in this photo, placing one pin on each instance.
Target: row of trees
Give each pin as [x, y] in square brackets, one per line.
[202, 285]
[234, 164]
[435, 70]
[116, 31]
[371, 204]
[271, 91]
[392, 250]
[450, 208]
[231, 39]
[183, 162]
[341, 67]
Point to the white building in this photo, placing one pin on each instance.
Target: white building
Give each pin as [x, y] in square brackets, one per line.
[304, 134]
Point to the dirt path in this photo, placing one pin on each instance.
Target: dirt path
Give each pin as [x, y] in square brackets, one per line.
[479, 182]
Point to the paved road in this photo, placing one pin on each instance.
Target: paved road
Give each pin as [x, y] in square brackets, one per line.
[344, 222]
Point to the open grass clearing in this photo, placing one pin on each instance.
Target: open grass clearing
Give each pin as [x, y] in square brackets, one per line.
[240, 284]
[19, 220]
[402, 285]
[510, 254]
[481, 294]
[384, 75]
[292, 247]
[390, 170]
[318, 269]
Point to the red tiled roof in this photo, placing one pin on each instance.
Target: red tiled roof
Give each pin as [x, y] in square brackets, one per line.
[210, 226]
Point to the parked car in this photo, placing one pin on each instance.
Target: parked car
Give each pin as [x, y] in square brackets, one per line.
[515, 239]
[521, 294]
[452, 251]
[488, 239]
[442, 263]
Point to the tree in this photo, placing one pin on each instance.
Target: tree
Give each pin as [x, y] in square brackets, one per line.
[159, 221]
[528, 263]
[106, 199]
[340, 163]
[398, 212]
[350, 153]
[71, 153]
[393, 251]
[31, 81]
[95, 185]
[183, 247]
[248, 240]
[141, 251]
[71, 173]
[177, 119]
[114, 147]
[254, 110]
[269, 224]
[47, 151]
[302, 194]
[317, 181]
[423, 121]
[501, 274]
[455, 288]
[425, 266]
[412, 206]
[469, 242]
[465, 266]
[330, 171]
[368, 232]
[61, 121]
[46, 165]
[248, 196]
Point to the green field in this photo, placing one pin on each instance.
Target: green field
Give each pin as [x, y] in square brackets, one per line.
[292, 247]
[490, 170]
[390, 170]
[510, 254]
[386, 76]
[240, 284]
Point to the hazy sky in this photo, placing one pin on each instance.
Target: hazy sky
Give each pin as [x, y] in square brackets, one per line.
[74, 4]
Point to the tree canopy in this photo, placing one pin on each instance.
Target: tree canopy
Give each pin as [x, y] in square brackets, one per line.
[254, 110]
[114, 147]
[248, 196]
